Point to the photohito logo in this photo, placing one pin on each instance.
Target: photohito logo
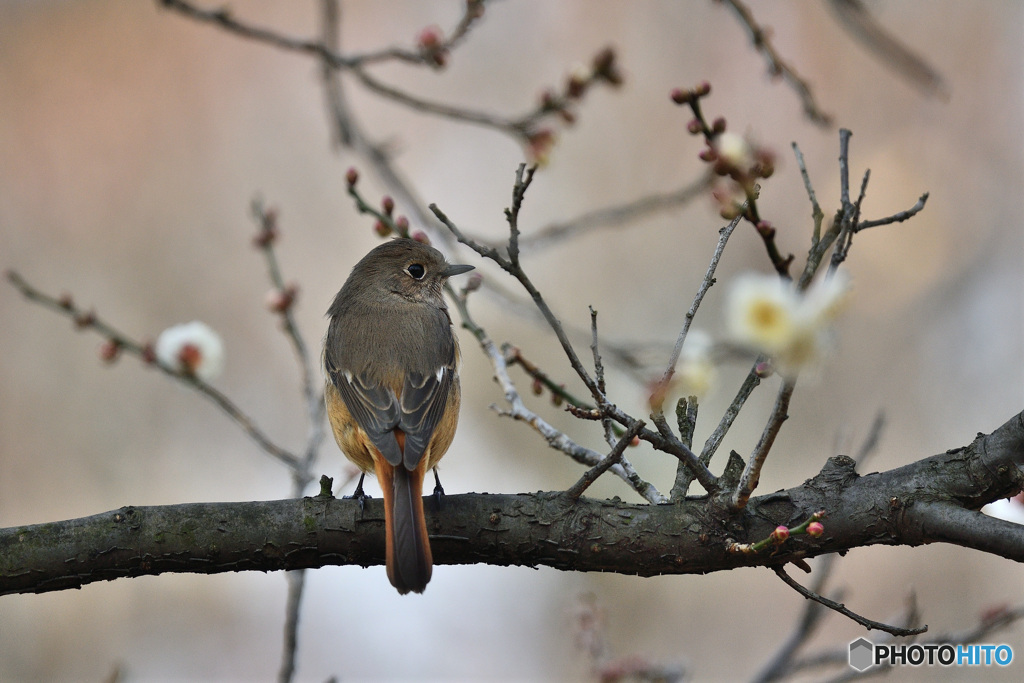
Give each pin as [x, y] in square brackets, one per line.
[864, 654]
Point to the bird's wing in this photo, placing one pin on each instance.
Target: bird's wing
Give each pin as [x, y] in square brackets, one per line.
[424, 398]
[373, 406]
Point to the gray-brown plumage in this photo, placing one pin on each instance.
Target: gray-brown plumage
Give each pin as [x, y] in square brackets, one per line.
[392, 390]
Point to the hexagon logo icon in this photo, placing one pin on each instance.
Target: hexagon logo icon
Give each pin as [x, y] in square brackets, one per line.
[862, 654]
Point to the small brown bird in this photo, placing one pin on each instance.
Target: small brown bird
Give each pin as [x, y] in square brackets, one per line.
[392, 391]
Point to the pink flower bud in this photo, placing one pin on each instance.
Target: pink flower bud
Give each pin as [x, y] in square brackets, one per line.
[109, 351]
[815, 529]
[473, 283]
[430, 38]
[680, 96]
[352, 177]
[402, 225]
[780, 534]
[387, 204]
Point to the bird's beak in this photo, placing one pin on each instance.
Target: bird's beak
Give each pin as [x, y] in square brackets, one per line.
[457, 269]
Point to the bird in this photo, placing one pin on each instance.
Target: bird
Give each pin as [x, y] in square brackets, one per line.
[391, 361]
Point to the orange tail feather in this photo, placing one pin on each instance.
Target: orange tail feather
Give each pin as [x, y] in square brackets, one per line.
[409, 560]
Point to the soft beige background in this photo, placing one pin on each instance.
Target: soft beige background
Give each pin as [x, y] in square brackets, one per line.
[132, 141]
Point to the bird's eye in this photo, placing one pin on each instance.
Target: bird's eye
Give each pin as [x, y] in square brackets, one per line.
[416, 271]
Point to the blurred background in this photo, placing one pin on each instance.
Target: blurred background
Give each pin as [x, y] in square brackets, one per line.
[132, 141]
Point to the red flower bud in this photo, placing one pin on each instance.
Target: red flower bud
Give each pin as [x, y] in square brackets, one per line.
[110, 350]
[680, 96]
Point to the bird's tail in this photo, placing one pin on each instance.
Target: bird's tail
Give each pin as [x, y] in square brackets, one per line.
[409, 560]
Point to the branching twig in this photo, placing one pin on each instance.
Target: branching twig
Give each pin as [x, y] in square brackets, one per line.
[555, 438]
[613, 457]
[88, 319]
[511, 266]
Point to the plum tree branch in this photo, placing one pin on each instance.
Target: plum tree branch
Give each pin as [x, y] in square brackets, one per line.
[896, 507]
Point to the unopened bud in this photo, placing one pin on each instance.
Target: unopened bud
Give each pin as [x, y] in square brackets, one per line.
[402, 225]
[680, 96]
[815, 529]
[473, 282]
[429, 38]
[110, 350]
[351, 177]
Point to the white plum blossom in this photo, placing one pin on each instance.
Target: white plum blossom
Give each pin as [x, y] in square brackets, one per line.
[768, 314]
[191, 349]
[696, 372]
[735, 149]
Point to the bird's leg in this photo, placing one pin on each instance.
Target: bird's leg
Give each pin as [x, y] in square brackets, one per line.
[438, 490]
[359, 494]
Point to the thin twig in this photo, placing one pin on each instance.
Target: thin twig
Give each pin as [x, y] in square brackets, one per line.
[512, 267]
[686, 421]
[816, 213]
[312, 394]
[898, 217]
[839, 607]
[222, 18]
[870, 445]
[779, 665]
[296, 584]
[709, 279]
[776, 65]
[732, 412]
[606, 423]
[89, 319]
[752, 472]
[614, 216]
[858, 21]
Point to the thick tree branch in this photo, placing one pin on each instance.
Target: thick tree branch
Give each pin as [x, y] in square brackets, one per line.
[891, 508]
